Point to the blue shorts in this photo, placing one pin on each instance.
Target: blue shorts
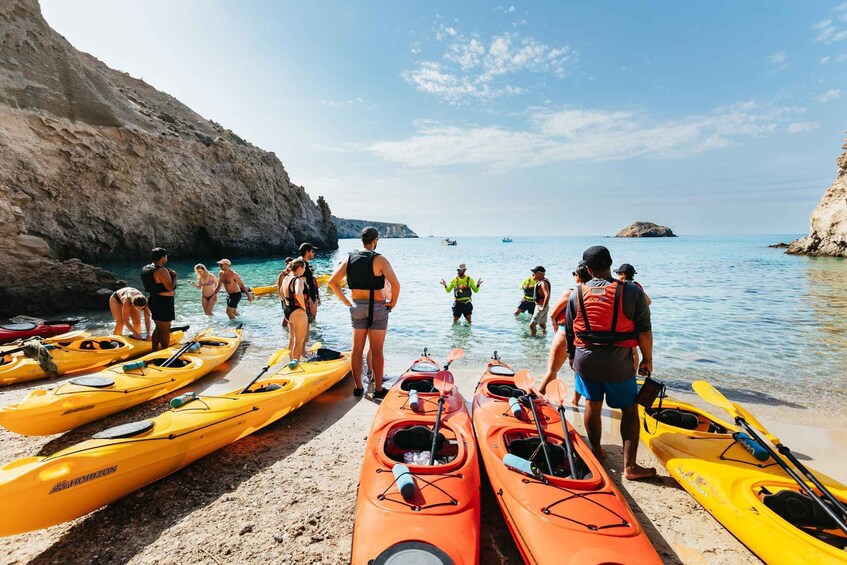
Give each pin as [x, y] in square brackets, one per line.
[618, 395]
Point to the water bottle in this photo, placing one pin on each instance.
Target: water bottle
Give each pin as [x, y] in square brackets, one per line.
[293, 364]
[521, 465]
[404, 480]
[413, 399]
[127, 367]
[515, 407]
[751, 445]
[183, 399]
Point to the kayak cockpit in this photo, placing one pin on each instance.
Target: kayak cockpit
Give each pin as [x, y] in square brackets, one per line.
[505, 389]
[527, 446]
[679, 417]
[798, 509]
[411, 443]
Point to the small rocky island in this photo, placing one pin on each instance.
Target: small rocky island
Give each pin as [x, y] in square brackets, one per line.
[646, 229]
[351, 229]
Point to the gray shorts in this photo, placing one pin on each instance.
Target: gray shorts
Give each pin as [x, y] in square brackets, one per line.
[359, 315]
[540, 315]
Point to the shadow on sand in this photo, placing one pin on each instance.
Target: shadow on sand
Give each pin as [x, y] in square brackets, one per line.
[119, 531]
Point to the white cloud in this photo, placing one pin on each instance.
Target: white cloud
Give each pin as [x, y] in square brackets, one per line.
[778, 58]
[341, 103]
[582, 135]
[474, 68]
[830, 94]
[841, 58]
[799, 127]
[828, 32]
[825, 60]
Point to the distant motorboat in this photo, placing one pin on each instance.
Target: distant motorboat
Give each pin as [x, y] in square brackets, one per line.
[507, 239]
[448, 241]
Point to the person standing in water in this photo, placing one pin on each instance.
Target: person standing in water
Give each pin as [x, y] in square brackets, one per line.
[626, 273]
[293, 294]
[462, 286]
[541, 296]
[367, 272]
[232, 283]
[160, 284]
[207, 283]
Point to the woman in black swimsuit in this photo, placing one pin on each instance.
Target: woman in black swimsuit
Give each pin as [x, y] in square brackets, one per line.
[126, 305]
[294, 308]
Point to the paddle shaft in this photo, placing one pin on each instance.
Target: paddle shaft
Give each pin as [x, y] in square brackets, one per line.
[436, 429]
[256, 378]
[541, 435]
[568, 445]
[176, 355]
[749, 429]
[783, 450]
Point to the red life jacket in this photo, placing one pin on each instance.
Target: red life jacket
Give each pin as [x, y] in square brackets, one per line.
[600, 319]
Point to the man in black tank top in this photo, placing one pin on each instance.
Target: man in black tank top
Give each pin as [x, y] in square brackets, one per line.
[374, 290]
[160, 282]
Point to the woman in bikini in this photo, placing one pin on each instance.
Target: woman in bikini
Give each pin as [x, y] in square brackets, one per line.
[294, 308]
[206, 282]
[126, 305]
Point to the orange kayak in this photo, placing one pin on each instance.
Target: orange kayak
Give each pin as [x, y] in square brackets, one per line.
[437, 520]
[553, 518]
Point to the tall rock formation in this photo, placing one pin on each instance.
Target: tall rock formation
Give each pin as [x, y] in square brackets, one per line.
[96, 165]
[828, 235]
[352, 229]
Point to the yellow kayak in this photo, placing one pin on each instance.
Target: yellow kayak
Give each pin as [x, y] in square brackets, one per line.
[262, 290]
[91, 397]
[75, 356]
[753, 498]
[38, 492]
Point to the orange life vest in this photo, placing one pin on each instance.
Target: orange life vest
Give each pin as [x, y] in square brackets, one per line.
[600, 319]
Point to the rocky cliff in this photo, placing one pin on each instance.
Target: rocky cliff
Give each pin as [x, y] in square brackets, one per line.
[828, 235]
[351, 229]
[646, 229]
[97, 165]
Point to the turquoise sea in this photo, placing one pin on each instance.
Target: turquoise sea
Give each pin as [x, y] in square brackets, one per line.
[763, 326]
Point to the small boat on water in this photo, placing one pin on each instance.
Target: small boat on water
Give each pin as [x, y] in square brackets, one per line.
[507, 239]
[448, 241]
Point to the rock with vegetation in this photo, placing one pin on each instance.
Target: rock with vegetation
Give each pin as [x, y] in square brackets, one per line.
[828, 235]
[97, 165]
[646, 229]
[351, 229]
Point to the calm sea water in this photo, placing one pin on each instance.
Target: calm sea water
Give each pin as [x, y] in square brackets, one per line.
[765, 325]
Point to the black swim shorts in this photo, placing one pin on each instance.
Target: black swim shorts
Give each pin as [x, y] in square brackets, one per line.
[525, 306]
[462, 309]
[232, 299]
[161, 308]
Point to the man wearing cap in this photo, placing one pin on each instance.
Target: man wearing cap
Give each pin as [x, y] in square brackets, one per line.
[605, 318]
[232, 283]
[367, 273]
[627, 272]
[462, 286]
[307, 253]
[541, 296]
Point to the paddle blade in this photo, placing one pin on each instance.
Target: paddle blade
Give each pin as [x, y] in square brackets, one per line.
[455, 355]
[315, 346]
[443, 381]
[525, 380]
[278, 356]
[557, 392]
[711, 395]
[755, 423]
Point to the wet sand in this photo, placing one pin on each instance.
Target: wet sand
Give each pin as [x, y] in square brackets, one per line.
[287, 493]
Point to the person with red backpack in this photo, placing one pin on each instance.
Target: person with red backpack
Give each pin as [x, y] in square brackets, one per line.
[604, 319]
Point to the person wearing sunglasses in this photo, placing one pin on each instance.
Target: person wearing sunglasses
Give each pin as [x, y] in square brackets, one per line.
[462, 286]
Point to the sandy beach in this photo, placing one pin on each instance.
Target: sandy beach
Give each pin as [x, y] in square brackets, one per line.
[287, 493]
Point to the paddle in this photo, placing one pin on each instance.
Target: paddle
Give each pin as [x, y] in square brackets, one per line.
[275, 358]
[525, 380]
[454, 355]
[60, 322]
[556, 393]
[711, 395]
[170, 360]
[443, 381]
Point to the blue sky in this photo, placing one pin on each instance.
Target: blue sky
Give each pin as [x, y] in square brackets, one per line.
[516, 118]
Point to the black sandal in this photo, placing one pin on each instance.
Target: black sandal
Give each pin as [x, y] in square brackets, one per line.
[358, 391]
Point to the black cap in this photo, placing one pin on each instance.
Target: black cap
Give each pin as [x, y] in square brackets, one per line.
[597, 257]
[157, 253]
[539, 269]
[306, 247]
[369, 234]
[626, 269]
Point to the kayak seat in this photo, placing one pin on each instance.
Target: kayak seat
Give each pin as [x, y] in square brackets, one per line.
[267, 388]
[422, 385]
[799, 509]
[530, 449]
[424, 367]
[501, 371]
[212, 343]
[125, 430]
[417, 438]
[176, 364]
[87, 344]
[111, 344]
[323, 354]
[505, 390]
[678, 418]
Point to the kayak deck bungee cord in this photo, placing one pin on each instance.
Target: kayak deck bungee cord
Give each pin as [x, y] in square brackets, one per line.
[91, 397]
[572, 516]
[739, 482]
[38, 492]
[409, 509]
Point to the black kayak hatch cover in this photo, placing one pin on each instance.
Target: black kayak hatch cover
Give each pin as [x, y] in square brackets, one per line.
[413, 552]
[94, 382]
[501, 370]
[125, 430]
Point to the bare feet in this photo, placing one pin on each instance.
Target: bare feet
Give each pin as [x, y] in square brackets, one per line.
[575, 401]
[600, 454]
[638, 472]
